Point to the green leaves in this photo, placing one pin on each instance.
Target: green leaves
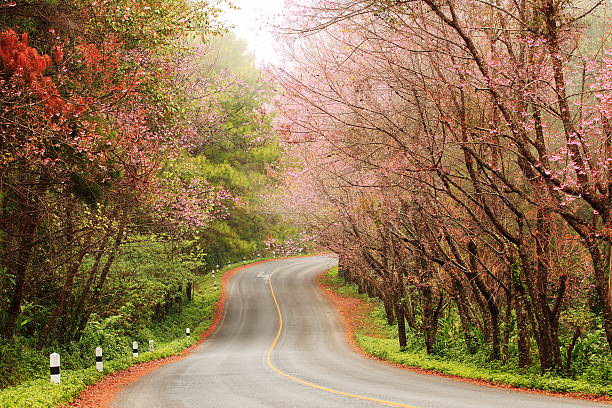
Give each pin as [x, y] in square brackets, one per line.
[156, 24]
[595, 380]
[77, 361]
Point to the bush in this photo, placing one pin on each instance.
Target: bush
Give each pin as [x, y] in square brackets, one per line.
[454, 359]
[78, 359]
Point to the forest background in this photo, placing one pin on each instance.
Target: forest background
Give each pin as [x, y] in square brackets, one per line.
[456, 155]
[136, 149]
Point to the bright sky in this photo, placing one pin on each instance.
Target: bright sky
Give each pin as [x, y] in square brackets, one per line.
[251, 23]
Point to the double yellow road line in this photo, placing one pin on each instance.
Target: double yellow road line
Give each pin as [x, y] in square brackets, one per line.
[309, 384]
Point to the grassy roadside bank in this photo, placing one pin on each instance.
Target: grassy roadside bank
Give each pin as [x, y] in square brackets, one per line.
[169, 337]
[373, 336]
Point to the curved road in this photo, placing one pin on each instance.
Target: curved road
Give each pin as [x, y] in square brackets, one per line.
[250, 363]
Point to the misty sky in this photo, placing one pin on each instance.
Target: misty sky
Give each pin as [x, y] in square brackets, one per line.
[251, 24]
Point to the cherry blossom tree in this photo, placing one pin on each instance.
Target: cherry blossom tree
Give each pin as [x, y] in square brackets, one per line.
[464, 114]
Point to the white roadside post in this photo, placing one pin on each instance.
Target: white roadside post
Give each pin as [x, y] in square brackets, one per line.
[99, 364]
[151, 345]
[54, 367]
[135, 349]
[188, 332]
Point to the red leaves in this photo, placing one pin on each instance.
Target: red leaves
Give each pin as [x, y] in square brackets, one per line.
[27, 67]
[18, 58]
[91, 55]
[89, 115]
[106, 54]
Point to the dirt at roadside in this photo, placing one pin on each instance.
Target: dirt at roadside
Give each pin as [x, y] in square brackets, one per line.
[356, 317]
[100, 394]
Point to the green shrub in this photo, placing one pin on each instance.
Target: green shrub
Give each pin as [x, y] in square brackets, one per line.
[78, 358]
[453, 358]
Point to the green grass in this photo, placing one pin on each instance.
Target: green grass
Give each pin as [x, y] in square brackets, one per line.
[386, 347]
[169, 338]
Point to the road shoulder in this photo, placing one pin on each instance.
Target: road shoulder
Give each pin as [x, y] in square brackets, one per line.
[356, 314]
[103, 392]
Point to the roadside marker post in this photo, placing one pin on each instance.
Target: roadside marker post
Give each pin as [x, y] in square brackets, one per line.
[99, 364]
[135, 349]
[151, 346]
[188, 332]
[54, 368]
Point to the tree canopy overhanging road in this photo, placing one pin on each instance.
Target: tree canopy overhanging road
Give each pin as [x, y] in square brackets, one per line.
[253, 360]
[455, 155]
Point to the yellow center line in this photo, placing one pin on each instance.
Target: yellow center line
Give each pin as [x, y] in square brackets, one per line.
[309, 384]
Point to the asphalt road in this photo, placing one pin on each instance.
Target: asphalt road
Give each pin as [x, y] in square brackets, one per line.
[249, 362]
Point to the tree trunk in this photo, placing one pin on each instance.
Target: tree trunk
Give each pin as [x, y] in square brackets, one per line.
[66, 290]
[95, 298]
[388, 310]
[599, 260]
[189, 291]
[361, 287]
[570, 349]
[507, 327]
[409, 312]
[541, 316]
[79, 309]
[30, 216]
[370, 290]
[459, 296]
[492, 308]
[430, 318]
[401, 324]
[523, 336]
[59, 307]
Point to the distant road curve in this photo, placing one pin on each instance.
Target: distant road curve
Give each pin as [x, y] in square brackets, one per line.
[281, 344]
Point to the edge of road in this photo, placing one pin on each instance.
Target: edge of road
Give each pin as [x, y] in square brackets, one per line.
[349, 319]
[101, 394]
[308, 383]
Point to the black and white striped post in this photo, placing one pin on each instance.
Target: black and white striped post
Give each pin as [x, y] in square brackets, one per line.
[135, 349]
[99, 364]
[54, 367]
[151, 346]
[188, 332]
